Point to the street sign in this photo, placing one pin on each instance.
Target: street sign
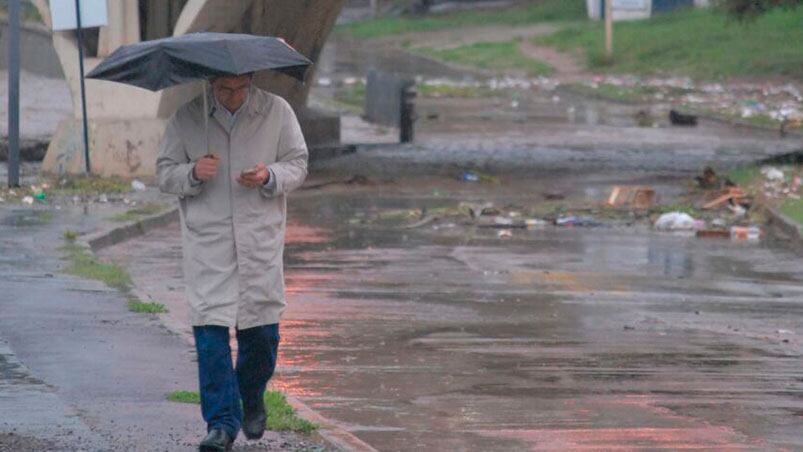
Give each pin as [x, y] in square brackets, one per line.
[63, 16]
[629, 5]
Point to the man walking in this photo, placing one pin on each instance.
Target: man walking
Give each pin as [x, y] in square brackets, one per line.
[232, 205]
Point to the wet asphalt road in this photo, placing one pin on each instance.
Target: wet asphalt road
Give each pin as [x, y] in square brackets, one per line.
[78, 371]
[557, 339]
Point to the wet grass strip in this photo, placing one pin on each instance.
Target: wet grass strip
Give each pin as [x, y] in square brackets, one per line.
[490, 56]
[528, 13]
[697, 42]
[281, 416]
[137, 213]
[141, 307]
[82, 263]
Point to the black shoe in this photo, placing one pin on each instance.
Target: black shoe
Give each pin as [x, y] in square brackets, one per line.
[216, 441]
[254, 421]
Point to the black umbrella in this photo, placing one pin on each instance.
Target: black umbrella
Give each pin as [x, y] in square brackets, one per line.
[162, 63]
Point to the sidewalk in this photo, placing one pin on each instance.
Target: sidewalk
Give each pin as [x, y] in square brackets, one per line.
[79, 370]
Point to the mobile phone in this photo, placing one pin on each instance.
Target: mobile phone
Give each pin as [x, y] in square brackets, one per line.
[248, 172]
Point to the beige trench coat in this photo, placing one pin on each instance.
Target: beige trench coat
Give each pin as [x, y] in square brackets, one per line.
[232, 236]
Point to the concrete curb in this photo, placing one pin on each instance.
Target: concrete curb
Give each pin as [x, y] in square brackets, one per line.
[782, 225]
[128, 230]
[336, 436]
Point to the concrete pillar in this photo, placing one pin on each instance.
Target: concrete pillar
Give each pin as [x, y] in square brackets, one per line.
[123, 26]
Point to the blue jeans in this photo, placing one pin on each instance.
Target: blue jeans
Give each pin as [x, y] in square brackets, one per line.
[223, 386]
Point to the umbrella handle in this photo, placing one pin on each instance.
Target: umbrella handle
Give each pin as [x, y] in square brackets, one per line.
[206, 118]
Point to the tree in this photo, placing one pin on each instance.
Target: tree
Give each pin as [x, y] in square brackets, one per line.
[748, 9]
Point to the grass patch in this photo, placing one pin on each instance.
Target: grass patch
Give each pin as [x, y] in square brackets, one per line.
[453, 91]
[91, 185]
[70, 236]
[83, 264]
[141, 307]
[184, 397]
[353, 95]
[521, 15]
[490, 56]
[136, 213]
[745, 176]
[697, 42]
[281, 416]
[607, 91]
[793, 208]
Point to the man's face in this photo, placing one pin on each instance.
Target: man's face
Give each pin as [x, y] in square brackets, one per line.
[232, 91]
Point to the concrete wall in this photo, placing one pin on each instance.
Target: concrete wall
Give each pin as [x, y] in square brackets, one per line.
[126, 123]
[37, 54]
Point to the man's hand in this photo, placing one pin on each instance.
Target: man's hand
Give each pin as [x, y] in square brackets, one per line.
[254, 177]
[206, 167]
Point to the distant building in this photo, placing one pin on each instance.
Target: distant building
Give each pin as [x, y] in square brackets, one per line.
[639, 9]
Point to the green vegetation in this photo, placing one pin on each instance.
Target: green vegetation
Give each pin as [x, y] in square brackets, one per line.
[352, 95]
[525, 14]
[465, 92]
[699, 43]
[28, 13]
[89, 185]
[70, 236]
[184, 397]
[141, 307]
[793, 208]
[745, 176]
[490, 56]
[83, 264]
[281, 416]
[136, 213]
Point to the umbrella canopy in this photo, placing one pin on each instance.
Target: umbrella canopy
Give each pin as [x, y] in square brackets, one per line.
[162, 63]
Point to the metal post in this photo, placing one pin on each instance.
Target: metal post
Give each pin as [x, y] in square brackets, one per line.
[83, 91]
[14, 93]
[407, 115]
[609, 28]
[374, 8]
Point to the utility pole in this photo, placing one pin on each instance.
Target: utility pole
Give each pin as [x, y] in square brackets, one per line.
[374, 8]
[83, 90]
[14, 93]
[609, 28]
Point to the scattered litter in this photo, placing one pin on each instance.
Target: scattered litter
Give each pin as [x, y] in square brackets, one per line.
[554, 196]
[40, 195]
[680, 119]
[422, 222]
[713, 234]
[633, 197]
[27, 200]
[324, 81]
[746, 233]
[137, 185]
[675, 221]
[733, 195]
[533, 223]
[772, 174]
[2, 199]
[785, 331]
[477, 210]
[470, 176]
[504, 234]
[103, 198]
[577, 221]
[709, 179]
[629, 328]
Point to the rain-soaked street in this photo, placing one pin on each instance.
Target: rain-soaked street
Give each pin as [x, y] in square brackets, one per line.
[445, 337]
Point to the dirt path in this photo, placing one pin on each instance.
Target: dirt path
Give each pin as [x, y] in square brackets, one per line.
[566, 66]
